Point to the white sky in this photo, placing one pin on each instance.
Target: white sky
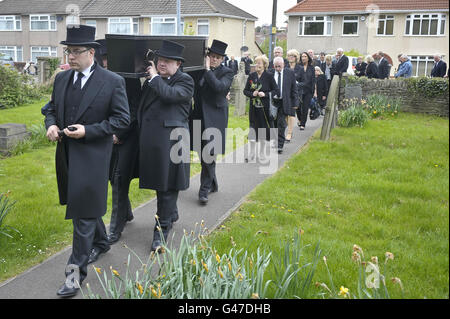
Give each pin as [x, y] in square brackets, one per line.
[263, 9]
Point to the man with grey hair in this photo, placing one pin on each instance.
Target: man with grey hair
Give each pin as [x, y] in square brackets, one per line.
[286, 100]
[341, 62]
[384, 68]
[277, 52]
[440, 67]
[315, 62]
[405, 68]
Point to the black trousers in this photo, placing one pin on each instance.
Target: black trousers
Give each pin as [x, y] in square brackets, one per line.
[208, 179]
[123, 162]
[302, 111]
[87, 234]
[167, 210]
[281, 124]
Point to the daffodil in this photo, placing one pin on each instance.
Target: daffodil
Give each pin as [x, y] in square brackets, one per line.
[115, 272]
[98, 270]
[218, 258]
[343, 291]
[139, 287]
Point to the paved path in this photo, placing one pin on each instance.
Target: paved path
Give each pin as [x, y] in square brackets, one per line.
[236, 181]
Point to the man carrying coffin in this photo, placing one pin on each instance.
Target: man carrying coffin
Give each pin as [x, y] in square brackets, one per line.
[163, 119]
[211, 114]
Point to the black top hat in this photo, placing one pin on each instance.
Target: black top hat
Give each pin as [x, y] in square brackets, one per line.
[80, 35]
[218, 47]
[102, 50]
[171, 50]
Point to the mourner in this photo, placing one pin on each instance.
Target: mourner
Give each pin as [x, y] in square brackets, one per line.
[88, 105]
[307, 80]
[258, 88]
[163, 118]
[287, 100]
[211, 108]
[124, 161]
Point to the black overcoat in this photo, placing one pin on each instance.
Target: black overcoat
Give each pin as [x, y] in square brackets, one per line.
[372, 71]
[82, 165]
[165, 106]
[289, 91]
[210, 101]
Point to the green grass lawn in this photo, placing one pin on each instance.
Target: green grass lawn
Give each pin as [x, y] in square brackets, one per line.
[384, 187]
[31, 179]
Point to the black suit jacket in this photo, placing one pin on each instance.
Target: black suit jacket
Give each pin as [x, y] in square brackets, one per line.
[360, 69]
[341, 65]
[210, 101]
[233, 65]
[384, 69]
[439, 69]
[288, 91]
[164, 107]
[82, 165]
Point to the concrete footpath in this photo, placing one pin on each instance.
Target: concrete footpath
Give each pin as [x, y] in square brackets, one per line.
[236, 180]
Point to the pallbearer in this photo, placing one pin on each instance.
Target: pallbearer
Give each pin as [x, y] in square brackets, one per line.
[163, 117]
[211, 109]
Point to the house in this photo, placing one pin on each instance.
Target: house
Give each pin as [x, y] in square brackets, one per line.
[32, 28]
[419, 29]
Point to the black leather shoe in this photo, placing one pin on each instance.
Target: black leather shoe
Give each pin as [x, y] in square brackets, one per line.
[157, 245]
[95, 253]
[175, 218]
[280, 151]
[203, 200]
[67, 292]
[114, 238]
[130, 217]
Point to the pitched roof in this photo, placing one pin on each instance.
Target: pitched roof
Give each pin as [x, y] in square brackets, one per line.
[106, 8]
[308, 6]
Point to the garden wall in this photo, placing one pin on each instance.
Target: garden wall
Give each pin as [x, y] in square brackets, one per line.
[417, 95]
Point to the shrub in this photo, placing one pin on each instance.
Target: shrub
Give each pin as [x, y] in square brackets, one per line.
[429, 87]
[378, 105]
[16, 88]
[354, 114]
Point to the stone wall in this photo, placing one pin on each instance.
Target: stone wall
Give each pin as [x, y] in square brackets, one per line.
[395, 88]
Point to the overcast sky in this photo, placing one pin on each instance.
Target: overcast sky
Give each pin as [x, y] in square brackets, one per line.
[263, 9]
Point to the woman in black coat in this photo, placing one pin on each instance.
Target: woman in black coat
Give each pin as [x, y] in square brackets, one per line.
[307, 82]
[293, 57]
[321, 88]
[360, 68]
[258, 88]
[372, 68]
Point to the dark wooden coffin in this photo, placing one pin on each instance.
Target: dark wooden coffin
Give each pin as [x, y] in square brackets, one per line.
[127, 53]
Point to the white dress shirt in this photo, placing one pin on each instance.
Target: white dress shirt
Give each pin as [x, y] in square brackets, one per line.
[87, 74]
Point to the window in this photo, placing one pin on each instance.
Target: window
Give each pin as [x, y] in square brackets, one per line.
[425, 24]
[123, 25]
[315, 25]
[203, 27]
[422, 65]
[385, 25]
[14, 52]
[10, 23]
[42, 51]
[350, 25]
[164, 26]
[42, 23]
[92, 23]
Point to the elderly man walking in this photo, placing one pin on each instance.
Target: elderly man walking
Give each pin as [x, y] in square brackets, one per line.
[287, 100]
[440, 67]
[405, 68]
[88, 105]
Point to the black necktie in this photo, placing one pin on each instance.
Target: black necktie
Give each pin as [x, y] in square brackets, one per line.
[279, 82]
[77, 84]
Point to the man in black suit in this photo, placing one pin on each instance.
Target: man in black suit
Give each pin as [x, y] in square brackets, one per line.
[341, 62]
[315, 62]
[277, 52]
[322, 62]
[233, 65]
[288, 99]
[90, 104]
[124, 160]
[384, 68]
[440, 67]
[163, 119]
[248, 62]
[211, 110]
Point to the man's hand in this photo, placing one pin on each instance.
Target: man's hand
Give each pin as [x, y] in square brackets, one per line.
[207, 62]
[151, 70]
[52, 133]
[78, 133]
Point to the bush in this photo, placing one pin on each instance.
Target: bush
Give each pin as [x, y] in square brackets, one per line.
[354, 114]
[16, 88]
[429, 87]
